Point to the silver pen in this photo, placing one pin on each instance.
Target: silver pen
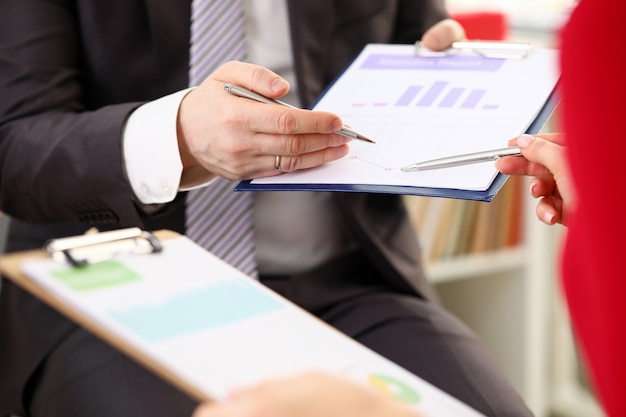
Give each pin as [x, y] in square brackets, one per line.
[242, 92]
[470, 158]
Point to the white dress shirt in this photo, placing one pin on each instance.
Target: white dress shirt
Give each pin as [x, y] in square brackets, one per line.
[294, 231]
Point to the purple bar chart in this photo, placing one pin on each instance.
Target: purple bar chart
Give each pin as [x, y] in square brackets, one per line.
[409, 95]
[438, 94]
[432, 93]
[451, 97]
[472, 99]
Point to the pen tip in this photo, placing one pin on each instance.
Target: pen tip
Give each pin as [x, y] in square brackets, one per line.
[366, 139]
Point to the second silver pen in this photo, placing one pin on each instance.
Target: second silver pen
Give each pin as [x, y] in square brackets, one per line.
[465, 159]
[242, 92]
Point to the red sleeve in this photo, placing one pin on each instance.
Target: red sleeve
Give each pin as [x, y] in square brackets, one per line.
[594, 115]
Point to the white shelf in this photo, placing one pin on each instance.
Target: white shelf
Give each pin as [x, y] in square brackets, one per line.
[570, 400]
[471, 266]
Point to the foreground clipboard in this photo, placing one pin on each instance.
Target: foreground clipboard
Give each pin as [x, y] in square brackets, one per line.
[199, 323]
[427, 106]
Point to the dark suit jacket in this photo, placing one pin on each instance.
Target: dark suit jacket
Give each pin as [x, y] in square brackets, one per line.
[72, 71]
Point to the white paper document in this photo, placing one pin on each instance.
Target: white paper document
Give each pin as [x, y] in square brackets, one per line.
[209, 325]
[419, 108]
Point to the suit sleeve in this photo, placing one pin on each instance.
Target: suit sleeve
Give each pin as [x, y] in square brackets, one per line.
[416, 17]
[59, 158]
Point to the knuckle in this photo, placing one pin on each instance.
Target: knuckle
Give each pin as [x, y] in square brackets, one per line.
[294, 145]
[228, 66]
[257, 75]
[235, 148]
[286, 122]
[322, 125]
[293, 164]
[238, 170]
[229, 119]
[230, 122]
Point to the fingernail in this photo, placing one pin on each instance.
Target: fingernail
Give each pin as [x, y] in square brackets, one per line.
[279, 85]
[531, 188]
[336, 125]
[548, 218]
[524, 140]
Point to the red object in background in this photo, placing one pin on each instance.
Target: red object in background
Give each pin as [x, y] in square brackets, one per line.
[483, 25]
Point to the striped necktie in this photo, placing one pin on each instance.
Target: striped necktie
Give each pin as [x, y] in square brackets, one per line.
[219, 219]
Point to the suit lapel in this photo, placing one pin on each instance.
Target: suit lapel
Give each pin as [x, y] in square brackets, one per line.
[169, 23]
[311, 25]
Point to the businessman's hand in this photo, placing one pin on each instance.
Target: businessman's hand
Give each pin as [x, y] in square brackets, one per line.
[241, 138]
[545, 160]
[312, 394]
[441, 35]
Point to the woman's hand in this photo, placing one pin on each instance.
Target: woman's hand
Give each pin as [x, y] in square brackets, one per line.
[545, 160]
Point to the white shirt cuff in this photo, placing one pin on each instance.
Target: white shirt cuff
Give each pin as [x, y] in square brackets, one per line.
[150, 150]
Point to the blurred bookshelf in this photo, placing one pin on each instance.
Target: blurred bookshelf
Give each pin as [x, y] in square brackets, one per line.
[455, 232]
[482, 257]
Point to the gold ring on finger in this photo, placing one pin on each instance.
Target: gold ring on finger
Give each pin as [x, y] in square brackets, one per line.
[277, 162]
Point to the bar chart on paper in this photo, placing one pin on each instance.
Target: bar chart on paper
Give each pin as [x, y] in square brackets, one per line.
[418, 108]
[449, 93]
[434, 95]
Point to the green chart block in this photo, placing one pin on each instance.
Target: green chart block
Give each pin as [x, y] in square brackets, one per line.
[96, 276]
[393, 388]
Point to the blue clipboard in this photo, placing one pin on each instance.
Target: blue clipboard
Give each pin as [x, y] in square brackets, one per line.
[483, 195]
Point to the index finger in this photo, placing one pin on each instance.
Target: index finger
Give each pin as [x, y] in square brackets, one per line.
[279, 118]
[558, 138]
[276, 119]
[543, 151]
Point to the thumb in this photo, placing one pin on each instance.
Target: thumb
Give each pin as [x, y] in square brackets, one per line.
[441, 35]
[252, 77]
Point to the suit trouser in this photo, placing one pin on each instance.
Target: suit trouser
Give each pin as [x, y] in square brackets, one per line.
[84, 376]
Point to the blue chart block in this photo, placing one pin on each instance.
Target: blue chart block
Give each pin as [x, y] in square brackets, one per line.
[221, 304]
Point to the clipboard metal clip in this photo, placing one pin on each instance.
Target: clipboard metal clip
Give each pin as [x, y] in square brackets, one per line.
[94, 246]
[487, 49]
